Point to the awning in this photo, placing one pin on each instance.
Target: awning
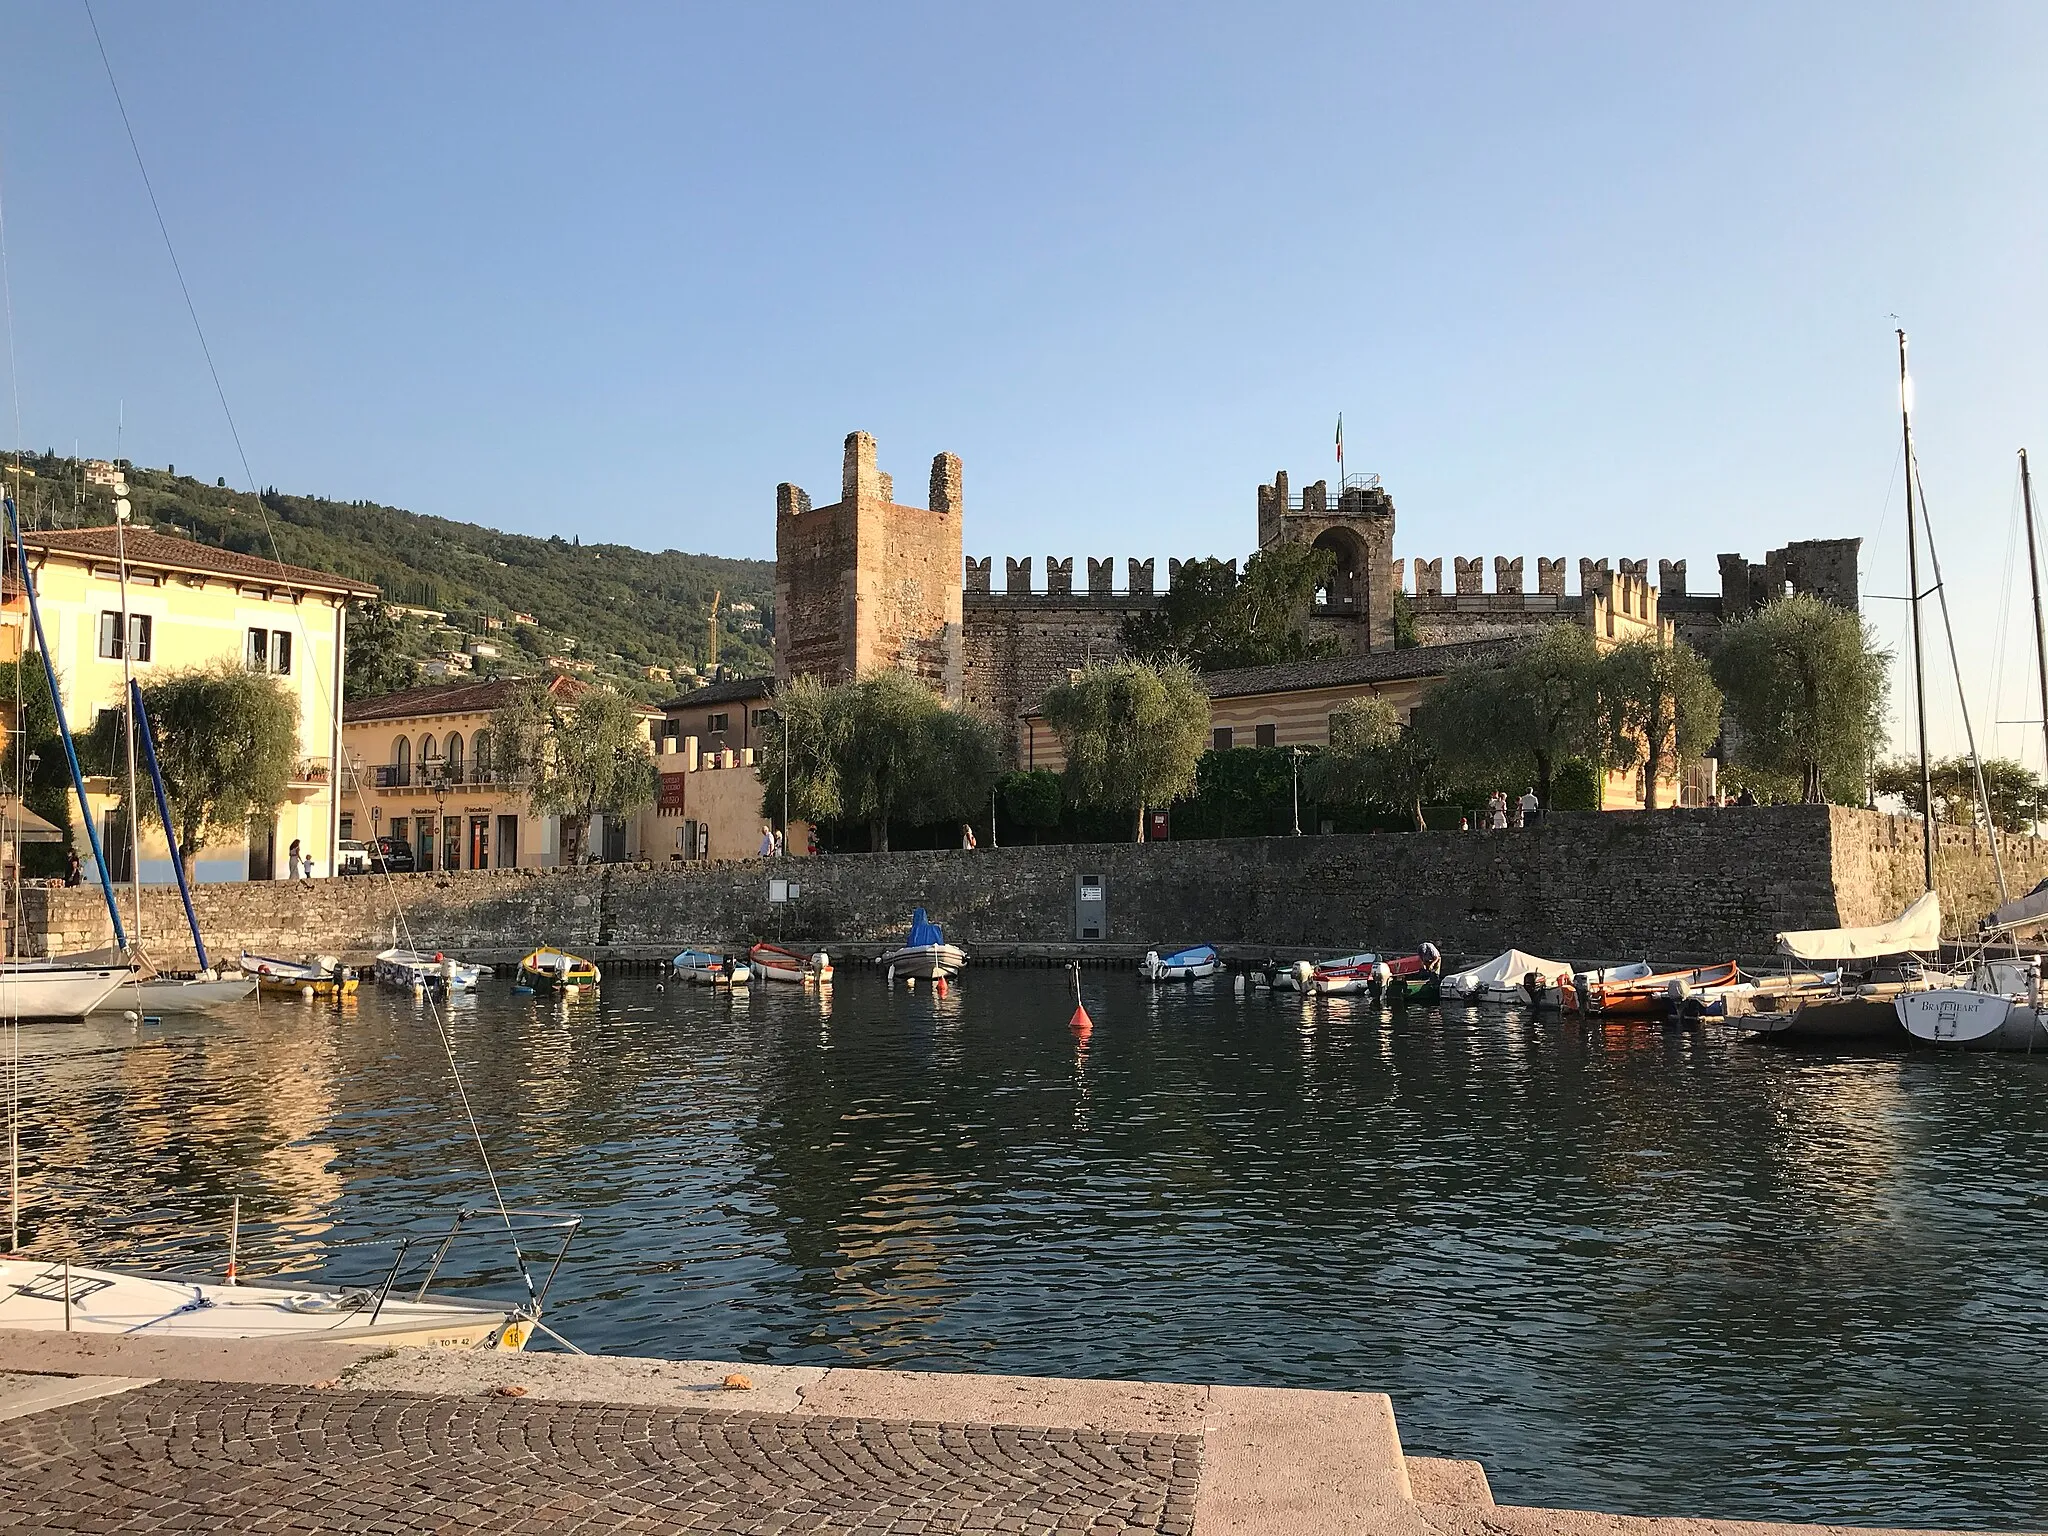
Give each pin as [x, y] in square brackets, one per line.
[31, 828]
[1917, 930]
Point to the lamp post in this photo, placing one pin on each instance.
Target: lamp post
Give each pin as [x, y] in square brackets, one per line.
[1294, 765]
[440, 816]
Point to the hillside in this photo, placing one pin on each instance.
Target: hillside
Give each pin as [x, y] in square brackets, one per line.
[608, 609]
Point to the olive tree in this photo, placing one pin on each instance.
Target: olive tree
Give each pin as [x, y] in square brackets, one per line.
[881, 748]
[582, 756]
[227, 744]
[1806, 684]
[1133, 732]
[1659, 707]
[1375, 759]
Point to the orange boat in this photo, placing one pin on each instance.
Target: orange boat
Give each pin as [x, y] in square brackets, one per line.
[1642, 996]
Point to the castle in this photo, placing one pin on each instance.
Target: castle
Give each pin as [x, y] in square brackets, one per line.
[869, 582]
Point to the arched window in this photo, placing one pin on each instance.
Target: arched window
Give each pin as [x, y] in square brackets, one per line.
[480, 750]
[401, 760]
[453, 749]
[428, 752]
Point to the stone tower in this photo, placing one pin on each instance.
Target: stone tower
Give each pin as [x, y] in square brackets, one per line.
[868, 583]
[1359, 531]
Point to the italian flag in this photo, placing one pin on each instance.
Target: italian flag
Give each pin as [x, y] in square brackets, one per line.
[1340, 439]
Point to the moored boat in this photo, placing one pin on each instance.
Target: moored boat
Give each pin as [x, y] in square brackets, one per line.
[1190, 964]
[1657, 993]
[1346, 974]
[556, 970]
[1875, 966]
[322, 975]
[1504, 978]
[415, 970]
[924, 954]
[711, 970]
[198, 993]
[60, 988]
[773, 962]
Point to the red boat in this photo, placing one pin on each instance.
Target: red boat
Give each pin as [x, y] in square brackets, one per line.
[1644, 996]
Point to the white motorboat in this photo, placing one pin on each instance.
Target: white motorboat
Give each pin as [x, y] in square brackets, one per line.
[774, 962]
[1298, 977]
[1346, 974]
[1501, 979]
[707, 969]
[315, 975]
[1999, 1011]
[59, 988]
[924, 955]
[1182, 965]
[418, 971]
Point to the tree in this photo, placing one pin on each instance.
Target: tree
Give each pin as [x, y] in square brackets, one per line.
[1033, 799]
[1806, 684]
[1133, 733]
[1215, 619]
[582, 757]
[2016, 793]
[879, 749]
[227, 744]
[1658, 705]
[46, 788]
[1373, 758]
[374, 659]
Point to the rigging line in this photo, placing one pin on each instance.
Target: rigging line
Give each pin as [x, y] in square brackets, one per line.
[1956, 662]
[170, 249]
[270, 535]
[15, 735]
[2002, 631]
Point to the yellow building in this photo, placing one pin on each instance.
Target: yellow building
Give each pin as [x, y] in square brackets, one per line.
[191, 605]
[422, 771]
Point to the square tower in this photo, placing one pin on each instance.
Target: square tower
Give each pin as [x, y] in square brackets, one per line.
[1358, 530]
[867, 582]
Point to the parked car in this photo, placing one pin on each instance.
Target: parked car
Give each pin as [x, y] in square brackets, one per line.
[352, 858]
[392, 856]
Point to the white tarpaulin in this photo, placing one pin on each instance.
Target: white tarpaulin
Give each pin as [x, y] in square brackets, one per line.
[1503, 975]
[1917, 930]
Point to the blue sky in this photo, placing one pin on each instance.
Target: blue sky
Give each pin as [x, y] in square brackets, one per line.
[1584, 280]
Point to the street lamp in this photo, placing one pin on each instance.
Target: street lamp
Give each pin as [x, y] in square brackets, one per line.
[440, 816]
[1294, 763]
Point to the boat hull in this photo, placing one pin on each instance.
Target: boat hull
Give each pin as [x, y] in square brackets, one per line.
[925, 962]
[1181, 965]
[771, 962]
[164, 996]
[52, 990]
[554, 970]
[409, 969]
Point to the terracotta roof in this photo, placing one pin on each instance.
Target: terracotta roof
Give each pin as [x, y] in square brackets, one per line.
[731, 692]
[162, 551]
[1373, 667]
[450, 699]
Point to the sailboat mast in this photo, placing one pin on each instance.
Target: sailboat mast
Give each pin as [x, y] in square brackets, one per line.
[2034, 575]
[1913, 604]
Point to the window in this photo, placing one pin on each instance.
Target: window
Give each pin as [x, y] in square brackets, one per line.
[764, 717]
[1219, 739]
[257, 654]
[1265, 735]
[427, 750]
[713, 724]
[269, 650]
[281, 652]
[480, 748]
[401, 761]
[139, 631]
[348, 829]
[454, 751]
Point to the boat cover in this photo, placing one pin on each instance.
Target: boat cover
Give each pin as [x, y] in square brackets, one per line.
[1916, 930]
[1504, 973]
[923, 931]
[2030, 908]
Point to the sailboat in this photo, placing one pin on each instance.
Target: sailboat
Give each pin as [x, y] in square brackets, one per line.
[63, 986]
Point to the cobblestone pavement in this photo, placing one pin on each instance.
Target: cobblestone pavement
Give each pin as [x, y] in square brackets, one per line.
[196, 1456]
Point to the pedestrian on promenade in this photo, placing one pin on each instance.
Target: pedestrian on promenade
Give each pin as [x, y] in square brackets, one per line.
[967, 838]
[292, 860]
[767, 848]
[1747, 797]
[1530, 805]
[74, 872]
[1497, 811]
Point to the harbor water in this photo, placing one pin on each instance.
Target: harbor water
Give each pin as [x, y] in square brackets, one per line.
[1627, 1268]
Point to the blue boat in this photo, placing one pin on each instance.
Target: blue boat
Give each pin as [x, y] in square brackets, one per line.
[1182, 965]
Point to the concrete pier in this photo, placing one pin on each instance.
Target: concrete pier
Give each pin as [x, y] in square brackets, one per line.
[106, 1433]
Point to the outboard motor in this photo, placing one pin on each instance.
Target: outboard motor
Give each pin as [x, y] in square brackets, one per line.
[1304, 976]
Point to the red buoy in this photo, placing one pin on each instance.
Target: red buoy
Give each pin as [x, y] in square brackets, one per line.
[1080, 1023]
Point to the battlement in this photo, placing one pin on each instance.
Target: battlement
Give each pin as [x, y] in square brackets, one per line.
[1141, 580]
[1823, 568]
[1468, 574]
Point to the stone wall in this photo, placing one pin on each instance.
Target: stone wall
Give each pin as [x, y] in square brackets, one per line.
[1017, 647]
[1879, 870]
[1667, 885]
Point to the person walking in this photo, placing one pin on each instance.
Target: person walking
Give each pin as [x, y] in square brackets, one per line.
[1530, 806]
[1497, 811]
[967, 838]
[292, 861]
[767, 848]
[74, 872]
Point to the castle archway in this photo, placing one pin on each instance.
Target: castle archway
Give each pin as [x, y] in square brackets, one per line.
[1346, 590]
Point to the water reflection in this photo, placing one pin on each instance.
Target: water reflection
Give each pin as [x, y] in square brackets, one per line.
[1630, 1269]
